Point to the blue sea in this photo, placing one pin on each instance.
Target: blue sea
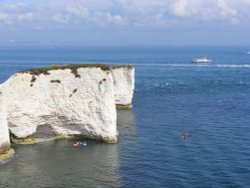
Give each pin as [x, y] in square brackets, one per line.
[211, 102]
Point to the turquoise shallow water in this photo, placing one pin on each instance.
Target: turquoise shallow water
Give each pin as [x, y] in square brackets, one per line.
[172, 96]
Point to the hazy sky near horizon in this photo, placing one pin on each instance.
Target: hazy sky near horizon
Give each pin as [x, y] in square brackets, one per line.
[124, 22]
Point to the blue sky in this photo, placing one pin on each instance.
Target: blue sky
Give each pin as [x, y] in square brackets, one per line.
[124, 22]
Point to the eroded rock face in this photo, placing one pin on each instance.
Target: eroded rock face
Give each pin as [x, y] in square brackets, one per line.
[72, 101]
[124, 84]
[4, 131]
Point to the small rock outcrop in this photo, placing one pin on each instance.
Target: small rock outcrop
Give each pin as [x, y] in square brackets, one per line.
[124, 84]
[74, 100]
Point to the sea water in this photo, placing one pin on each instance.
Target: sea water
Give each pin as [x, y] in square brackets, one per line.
[172, 96]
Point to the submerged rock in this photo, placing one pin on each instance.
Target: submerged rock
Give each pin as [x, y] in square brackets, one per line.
[4, 157]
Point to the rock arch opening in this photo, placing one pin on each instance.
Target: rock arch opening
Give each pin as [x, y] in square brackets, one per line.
[44, 132]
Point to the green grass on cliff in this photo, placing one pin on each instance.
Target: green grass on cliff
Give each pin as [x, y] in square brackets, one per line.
[72, 67]
[122, 66]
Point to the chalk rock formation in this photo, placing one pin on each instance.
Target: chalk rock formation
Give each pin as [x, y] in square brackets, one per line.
[72, 100]
[4, 131]
[124, 85]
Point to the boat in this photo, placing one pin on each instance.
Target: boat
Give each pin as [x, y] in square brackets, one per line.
[201, 60]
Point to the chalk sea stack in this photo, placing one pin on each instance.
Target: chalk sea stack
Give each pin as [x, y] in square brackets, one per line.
[74, 100]
[124, 85]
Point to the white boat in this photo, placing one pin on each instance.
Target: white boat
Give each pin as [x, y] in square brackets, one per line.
[201, 60]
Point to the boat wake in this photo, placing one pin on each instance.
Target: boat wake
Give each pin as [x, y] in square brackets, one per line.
[38, 64]
[198, 65]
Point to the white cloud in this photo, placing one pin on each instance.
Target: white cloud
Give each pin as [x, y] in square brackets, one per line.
[16, 7]
[117, 19]
[62, 19]
[25, 17]
[78, 11]
[105, 18]
[213, 10]
[69, 15]
[124, 12]
[180, 8]
[225, 10]
[4, 17]
[12, 13]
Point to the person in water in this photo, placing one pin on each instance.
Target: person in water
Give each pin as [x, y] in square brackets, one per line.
[78, 143]
[185, 136]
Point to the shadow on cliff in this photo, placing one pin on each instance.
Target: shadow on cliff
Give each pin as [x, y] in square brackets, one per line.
[44, 132]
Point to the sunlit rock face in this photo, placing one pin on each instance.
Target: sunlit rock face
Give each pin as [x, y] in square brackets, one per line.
[4, 132]
[72, 100]
[124, 84]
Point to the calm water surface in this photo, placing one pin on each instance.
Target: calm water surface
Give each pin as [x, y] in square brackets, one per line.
[172, 96]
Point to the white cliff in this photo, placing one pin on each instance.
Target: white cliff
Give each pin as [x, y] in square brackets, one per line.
[72, 100]
[124, 84]
[4, 131]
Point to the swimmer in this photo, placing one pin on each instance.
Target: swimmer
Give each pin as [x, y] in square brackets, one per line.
[76, 144]
[185, 136]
